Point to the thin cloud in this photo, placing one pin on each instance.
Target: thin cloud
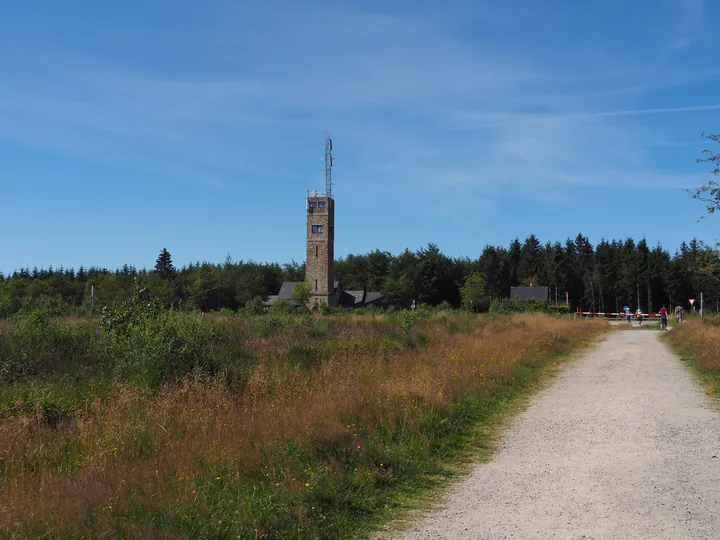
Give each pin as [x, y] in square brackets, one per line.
[495, 119]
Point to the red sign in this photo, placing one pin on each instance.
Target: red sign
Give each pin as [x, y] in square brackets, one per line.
[692, 301]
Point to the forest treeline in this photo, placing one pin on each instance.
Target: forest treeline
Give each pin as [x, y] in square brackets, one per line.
[601, 277]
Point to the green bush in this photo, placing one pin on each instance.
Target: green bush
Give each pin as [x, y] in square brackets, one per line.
[444, 306]
[558, 309]
[265, 325]
[53, 306]
[153, 350]
[407, 319]
[506, 305]
[9, 304]
[254, 307]
[326, 309]
[283, 305]
[143, 342]
[38, 344]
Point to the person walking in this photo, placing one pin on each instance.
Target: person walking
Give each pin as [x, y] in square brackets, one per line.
[628, 315]
[679, 314]
[639, 315]
[663, 318]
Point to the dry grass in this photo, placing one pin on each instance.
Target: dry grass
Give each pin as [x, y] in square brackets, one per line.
[699, 342]
[157, 451]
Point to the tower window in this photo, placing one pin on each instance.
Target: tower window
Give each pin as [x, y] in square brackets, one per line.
[316, 252]
[317, 228]
[321, 204]
[313, 205]
[316, 284]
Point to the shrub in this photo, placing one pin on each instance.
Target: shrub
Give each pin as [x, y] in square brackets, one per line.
[506, 305]
[158, 349]
[283, 305]
[145, 343]
[254, 307]
[38, 344]
[9, 304]
[445, 306]
[408, 318]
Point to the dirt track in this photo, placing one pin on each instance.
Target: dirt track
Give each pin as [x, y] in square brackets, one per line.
[623, 445]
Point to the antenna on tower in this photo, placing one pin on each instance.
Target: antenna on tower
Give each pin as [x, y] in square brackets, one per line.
[328, 165]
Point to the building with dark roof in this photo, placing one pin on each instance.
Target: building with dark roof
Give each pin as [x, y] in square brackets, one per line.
[530, 294]
[349, 300]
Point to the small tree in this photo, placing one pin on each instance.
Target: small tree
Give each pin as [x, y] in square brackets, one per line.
[709, 193]
[254, 306]
[473, 291]
[302, 292]
[164, 265]
[707, 265]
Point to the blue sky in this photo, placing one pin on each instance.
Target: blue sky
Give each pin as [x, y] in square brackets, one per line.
[198, 126]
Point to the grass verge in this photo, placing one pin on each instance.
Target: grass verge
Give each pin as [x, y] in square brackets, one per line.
[697, 343]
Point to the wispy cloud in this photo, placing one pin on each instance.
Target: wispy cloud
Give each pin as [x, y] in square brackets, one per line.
[492, 119]
[418, 104]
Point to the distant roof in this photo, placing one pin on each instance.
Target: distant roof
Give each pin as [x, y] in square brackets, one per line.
[357, 299]
[286, 289]
[373, 296]
[529, 293]
[351, 297]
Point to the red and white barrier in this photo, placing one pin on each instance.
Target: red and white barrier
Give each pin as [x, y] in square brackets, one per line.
[610, 314]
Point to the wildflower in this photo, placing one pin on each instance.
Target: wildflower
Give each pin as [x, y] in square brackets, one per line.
[217, 478]
[358, 447]
[19, 404]
[307, 484]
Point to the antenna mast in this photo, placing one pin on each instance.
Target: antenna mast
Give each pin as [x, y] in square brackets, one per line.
[328, 165]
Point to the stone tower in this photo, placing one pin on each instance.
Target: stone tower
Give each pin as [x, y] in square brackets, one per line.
[319, 263]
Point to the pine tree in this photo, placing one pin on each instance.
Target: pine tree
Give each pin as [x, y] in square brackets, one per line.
[164, 265]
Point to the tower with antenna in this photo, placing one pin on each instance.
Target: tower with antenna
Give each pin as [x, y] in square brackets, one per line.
[320, 254]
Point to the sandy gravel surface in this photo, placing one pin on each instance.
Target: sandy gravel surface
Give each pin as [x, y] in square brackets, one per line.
[624, 444]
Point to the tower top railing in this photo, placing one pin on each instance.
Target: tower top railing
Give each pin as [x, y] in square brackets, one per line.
[316, 193]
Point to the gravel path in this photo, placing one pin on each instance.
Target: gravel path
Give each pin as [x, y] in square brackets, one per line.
[623, 444]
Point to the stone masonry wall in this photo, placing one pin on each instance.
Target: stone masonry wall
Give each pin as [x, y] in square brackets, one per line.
[320, 253]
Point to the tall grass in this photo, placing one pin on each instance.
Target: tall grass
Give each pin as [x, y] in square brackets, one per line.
[698, 341]
[262, 428]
